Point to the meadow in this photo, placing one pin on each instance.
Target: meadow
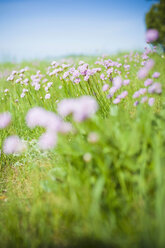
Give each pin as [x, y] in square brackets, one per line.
[82, 152]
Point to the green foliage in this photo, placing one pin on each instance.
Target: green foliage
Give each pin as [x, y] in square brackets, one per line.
[155, 18]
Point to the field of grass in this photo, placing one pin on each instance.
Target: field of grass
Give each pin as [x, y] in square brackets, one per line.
[103, 183]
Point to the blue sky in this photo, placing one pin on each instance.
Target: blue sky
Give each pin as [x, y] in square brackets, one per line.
[36, 28]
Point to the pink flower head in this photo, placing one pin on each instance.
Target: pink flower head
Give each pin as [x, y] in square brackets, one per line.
[136, 103]
[144, 99]
[112, 91]
[155, 88]
[81, 108]
[126, 82]
[151, 101]
[77, 81]
[102, 76]
[13, 144]
[156, 75]
[48, 140]
[40, 117]
[148, 82]
[5, 119]
[117, 82]
[151, 35]
[105, 87]
[47, 96]
[116, 101]
[123, 94]
[136, 94]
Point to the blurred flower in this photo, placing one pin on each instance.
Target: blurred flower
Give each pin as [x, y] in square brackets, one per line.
[5, 119]
[148, 82]
[136, 103]
[116, 101]
[81, 108]
[126, 82]
[117, 82]
[48, 140]
[151, 101]
[47, 96]
[155, 88]
[151, 35]
[156, 75]
[144, 99]
[13, 144]
[38, 116]
[105, 87]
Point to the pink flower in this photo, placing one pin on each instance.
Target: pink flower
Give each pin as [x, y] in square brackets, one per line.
[156, 75]
[105, 87]
[148, 82]
[5, 119]
[48, 140]
[40, 117]
[151, 35]
[47, 96]
[13, 144]
[136, 103]
[117, 82]
[155, 88]
[151, 101]
[116, 101]
[123, 94]
[144, 99]
[102, 76]
[77, 81]
[81, 108]
[126, 82]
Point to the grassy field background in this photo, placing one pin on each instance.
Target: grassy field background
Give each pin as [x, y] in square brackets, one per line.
[108, 193]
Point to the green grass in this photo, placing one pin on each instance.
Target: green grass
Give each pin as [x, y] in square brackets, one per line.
[56, 199]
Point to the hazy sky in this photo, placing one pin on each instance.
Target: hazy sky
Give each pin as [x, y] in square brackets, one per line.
[38, 28]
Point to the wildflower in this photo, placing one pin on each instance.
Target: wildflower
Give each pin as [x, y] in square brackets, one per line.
[151, 101]
[148, 82]
[142, 91]
[102, 76]
[123, 94]
[105, 87]
[144, 99]
[156, 75]
[151, 35]
[13, 144]
[155, 88]
[81, 108]
[136, 103]
[116, 101]
[117, 82]
[136, 94]
[126, 82]
[37, 87]
[47, 96]
[77, 81]
[49, 84]
[143, 72]
[112, 91]
[38, 116]
[22, 95]
[48, 140]
[5, 119]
